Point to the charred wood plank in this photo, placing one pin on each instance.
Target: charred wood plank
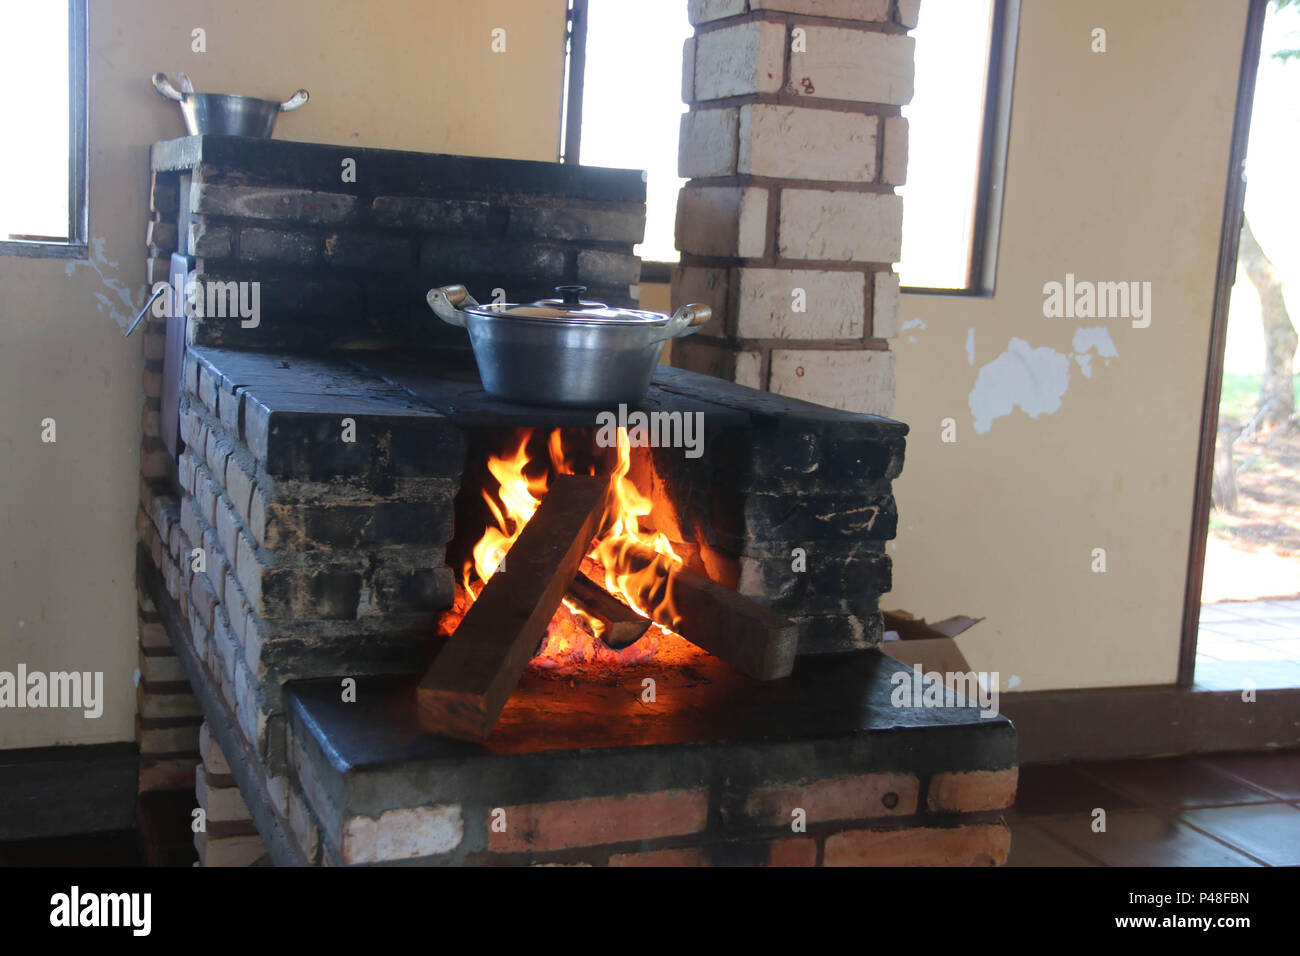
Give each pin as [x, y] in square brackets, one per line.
[751, 638]
[467, 686]
[622, 626]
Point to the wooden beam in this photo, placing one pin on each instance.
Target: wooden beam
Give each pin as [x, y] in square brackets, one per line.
[468, 684]
[748, 636]
[622, 625]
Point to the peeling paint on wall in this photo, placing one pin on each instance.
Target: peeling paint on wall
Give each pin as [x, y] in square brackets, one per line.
[99, 261]
[1085, 340]
[1031, 379]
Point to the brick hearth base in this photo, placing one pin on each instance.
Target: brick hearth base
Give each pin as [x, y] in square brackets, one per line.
[716, 772]
[719, 770]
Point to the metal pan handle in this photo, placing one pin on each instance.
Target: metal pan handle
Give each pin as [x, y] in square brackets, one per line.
[165, 88]
[444, 301]
[687, 319]
[293, 102]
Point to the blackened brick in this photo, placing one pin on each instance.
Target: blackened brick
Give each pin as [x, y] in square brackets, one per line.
[401, 589]
[315, 595]
[165, 194]
[836, 633]
[831, 581]
[575, 222]
[260, 202]
[868, 458]
[602, 267]
[342, 526]
[210, 240]
[161, 238]
[284, 246]
[311, 446]
[772, 524]
[379, 253]
[449, 216]
[510, 260]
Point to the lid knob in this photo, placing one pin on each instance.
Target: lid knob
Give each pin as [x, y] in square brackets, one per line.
[571, 294]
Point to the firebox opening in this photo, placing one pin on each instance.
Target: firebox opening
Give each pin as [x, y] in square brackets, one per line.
[642, 542]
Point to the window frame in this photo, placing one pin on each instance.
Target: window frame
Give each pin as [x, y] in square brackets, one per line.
[75, 246]
[575, 75]
[986, 221]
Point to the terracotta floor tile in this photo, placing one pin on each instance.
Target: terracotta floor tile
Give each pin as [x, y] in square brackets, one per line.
[1277, 772]
[1269, 832]
[1173, 782]
[1063, 790]
[1144, 838]
[1031, 846]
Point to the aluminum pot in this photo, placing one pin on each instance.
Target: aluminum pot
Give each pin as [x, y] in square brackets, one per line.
[227, 114]
[564, 351]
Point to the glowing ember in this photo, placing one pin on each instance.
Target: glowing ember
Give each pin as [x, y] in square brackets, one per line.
[573, 636]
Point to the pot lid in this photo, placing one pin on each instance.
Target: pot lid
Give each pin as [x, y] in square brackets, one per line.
[569, 308]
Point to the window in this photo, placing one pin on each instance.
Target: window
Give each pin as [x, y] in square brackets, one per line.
[43, 109]
[957, 132]
[624, 103]
[631, 102]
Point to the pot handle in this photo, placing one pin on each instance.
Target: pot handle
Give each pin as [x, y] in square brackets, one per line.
[444, 301]
[293, 102]
[687, 319]
[165, 88]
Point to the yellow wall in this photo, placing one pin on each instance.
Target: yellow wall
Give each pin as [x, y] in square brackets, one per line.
[407, 74]
[1116, 171]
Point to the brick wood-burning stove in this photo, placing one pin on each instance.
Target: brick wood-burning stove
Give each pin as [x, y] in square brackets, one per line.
[296, 550]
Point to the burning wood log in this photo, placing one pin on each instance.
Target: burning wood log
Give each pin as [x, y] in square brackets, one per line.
[622, 626]
[465, 689]
[748, 636]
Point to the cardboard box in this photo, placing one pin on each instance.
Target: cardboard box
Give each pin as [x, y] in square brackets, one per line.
[932, 647]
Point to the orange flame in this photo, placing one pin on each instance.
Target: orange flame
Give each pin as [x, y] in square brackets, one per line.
[646, 587]
[639, 588]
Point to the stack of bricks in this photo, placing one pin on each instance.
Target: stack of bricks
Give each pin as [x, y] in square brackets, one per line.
[289, 550]
[297, 553]
[292, 553]
[345, 242]
[167, 713]
[789, 226]
[308, 550]
[228, 836]
[822, 564]
[739, 816]
[864, 820]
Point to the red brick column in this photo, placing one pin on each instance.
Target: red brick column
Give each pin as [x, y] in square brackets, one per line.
[789, 226]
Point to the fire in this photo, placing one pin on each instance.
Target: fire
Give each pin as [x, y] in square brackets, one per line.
[646, 587]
